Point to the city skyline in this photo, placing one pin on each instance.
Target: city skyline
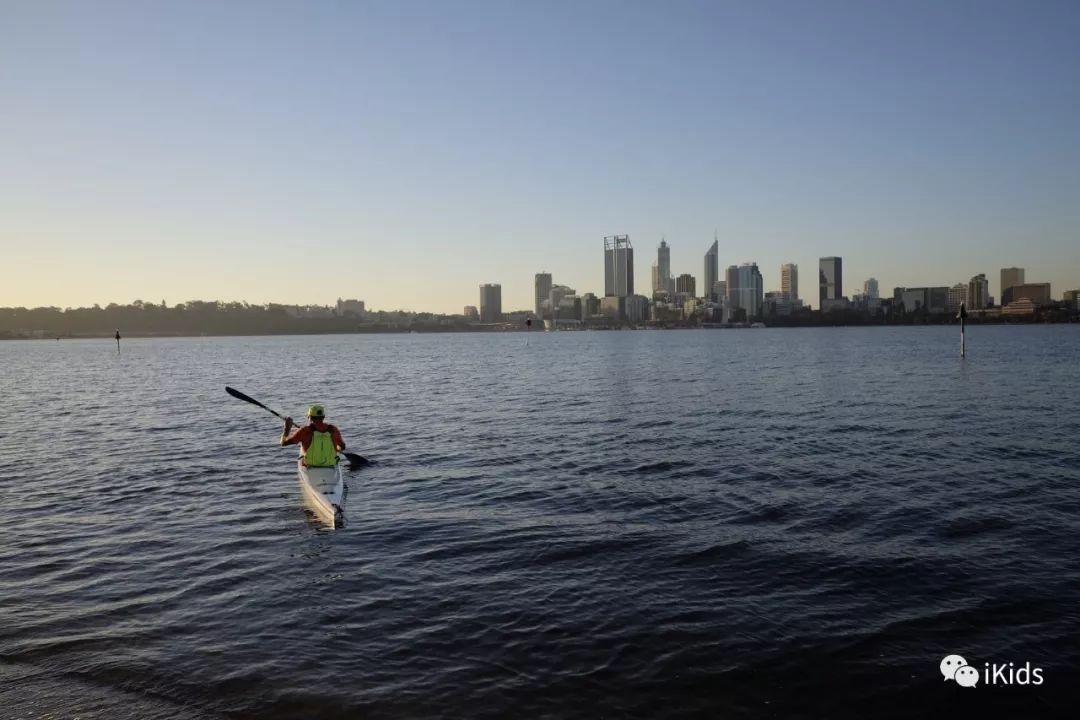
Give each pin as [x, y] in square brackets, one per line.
[426, 152]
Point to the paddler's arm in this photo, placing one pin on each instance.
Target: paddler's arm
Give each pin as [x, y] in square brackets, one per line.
[285, 438]
[335, 435]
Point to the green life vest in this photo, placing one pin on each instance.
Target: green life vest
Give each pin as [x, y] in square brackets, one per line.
[321, 452]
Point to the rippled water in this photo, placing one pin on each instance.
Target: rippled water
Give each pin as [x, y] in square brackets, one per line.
[773, 523]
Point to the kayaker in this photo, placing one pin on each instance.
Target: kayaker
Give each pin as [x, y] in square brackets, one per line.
[319, 441]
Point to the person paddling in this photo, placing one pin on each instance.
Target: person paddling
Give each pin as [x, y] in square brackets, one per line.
[319, 441]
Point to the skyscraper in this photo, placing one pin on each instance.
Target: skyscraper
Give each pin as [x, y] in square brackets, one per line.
[490, 302]
[712, 269]
[731, 277]
[662, 276]
[685, 283]
[543, 292]
[870, 289]
[978, 292]
[618, 266]
[751, 292]
[789, 281]
[830, 280]
[1010, 277]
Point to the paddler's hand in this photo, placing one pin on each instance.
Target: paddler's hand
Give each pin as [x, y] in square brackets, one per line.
[288, 425]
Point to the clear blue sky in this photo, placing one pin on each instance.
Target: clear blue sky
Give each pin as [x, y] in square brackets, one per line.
[405, 152]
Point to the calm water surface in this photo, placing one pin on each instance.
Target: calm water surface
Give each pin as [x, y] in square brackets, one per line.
[773, 523]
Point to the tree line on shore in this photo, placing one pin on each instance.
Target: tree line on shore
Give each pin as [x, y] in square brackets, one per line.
[238, 318]
[208, 318]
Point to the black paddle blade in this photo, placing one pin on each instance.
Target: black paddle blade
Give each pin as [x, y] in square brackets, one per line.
[247, 398]
[355, 460]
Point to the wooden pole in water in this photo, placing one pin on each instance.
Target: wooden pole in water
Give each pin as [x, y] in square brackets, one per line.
[962, 315]
[118, 341]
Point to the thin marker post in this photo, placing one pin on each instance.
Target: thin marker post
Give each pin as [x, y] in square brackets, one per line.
[117, 341]
[962, 315]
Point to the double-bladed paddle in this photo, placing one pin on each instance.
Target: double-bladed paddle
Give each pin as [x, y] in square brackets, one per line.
[353, 458]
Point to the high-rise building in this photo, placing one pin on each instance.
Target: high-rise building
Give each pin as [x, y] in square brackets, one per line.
[637, 308]
[661, 281]
[590, 305]
[731, 280]
[1009, 277]
[830, 280]
[789, 281]
[618, 266]
[685, 283]
[749, 290]
[957, 295]
[490, 302]
[1071, 298]
[543, 292]
[978, 292]
[870, 290]
[712, 269]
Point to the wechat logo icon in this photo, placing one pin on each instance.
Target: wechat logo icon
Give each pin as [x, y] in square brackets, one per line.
[955, 668]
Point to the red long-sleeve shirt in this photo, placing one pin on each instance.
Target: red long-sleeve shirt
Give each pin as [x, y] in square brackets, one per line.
[302, 435]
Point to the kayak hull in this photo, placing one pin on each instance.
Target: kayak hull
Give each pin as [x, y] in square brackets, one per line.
[324, 492]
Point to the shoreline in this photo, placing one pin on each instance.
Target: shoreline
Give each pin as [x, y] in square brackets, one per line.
[503, 330]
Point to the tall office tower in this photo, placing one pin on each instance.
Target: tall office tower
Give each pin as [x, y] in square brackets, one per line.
[830, 280]
[751, 292]
[663, 269]
[656, 286]
[543, 292]
[490, 302]
[618, 266]
[789, 281]
[731, 278]
[978, 292]
[712, 269]
[685, 283]
[1010, 277]
[870, 289]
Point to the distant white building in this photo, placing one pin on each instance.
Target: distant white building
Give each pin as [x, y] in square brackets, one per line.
[957, 295]
[356, 307]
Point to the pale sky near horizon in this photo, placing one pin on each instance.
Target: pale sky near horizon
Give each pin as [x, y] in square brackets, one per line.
[403, 153]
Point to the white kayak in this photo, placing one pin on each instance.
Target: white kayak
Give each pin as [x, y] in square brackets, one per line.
[324, 492]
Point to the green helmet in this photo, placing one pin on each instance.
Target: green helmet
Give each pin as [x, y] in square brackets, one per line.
[316, 411]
